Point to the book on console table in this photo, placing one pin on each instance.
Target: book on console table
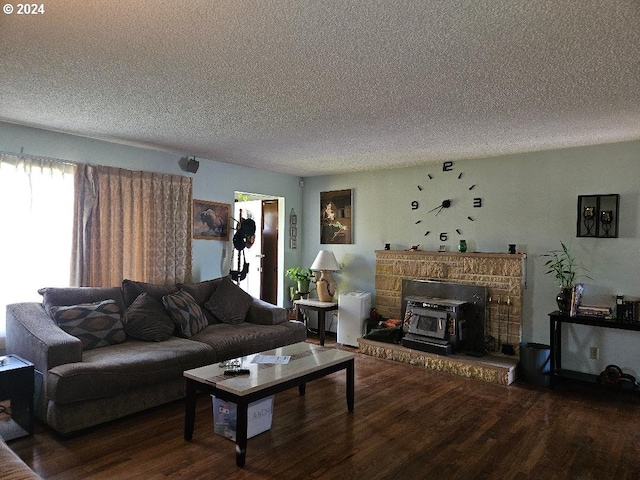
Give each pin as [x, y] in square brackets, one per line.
[595, 311]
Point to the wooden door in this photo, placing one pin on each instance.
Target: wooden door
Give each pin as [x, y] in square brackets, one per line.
[269, 280]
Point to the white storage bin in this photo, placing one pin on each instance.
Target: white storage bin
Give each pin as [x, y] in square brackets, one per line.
[259, 417]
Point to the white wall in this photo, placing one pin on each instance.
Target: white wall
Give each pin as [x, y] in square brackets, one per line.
[529, 200]
[214, 181]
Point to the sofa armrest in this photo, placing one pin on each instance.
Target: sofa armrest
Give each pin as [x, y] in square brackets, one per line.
[265, 313]
[33, 335]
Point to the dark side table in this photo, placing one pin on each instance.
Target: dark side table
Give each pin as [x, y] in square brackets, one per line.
[318, 306]
[17, 386]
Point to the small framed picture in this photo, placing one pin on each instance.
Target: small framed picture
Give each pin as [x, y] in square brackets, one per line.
[211, 220]
[336, 217]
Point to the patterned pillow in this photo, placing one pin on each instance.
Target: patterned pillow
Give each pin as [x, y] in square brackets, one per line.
[229, 303]
[185, 313]
[147, 320]
[95, 324]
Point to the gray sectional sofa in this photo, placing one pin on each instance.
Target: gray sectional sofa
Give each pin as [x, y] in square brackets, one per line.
[92, 367]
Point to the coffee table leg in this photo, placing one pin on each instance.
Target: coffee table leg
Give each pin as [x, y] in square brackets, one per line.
[190, 409]
[350, 384]
[241, 433]
[302, 389]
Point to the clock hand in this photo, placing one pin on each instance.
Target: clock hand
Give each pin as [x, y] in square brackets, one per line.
[444, 204]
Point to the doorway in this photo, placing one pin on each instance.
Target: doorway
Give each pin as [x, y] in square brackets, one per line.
[265, 256]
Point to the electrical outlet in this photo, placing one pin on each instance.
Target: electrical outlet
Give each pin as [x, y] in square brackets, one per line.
[594, 353]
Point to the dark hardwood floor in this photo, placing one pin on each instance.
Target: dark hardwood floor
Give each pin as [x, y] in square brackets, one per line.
[408, 423]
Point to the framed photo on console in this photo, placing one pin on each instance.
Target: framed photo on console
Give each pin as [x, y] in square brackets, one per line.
[211, 220]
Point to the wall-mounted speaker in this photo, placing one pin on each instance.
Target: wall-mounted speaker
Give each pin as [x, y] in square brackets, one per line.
[192, 165]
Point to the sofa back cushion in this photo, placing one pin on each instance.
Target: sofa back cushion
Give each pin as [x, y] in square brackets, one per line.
[147, 320]
[201, 293]
[229, 303]
[95, 324]
[132, 289]
[59, 296]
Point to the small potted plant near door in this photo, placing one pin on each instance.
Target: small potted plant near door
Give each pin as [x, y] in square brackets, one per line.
[303, 278]
[562, 265]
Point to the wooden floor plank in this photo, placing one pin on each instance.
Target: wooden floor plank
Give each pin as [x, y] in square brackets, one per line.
[408, 423]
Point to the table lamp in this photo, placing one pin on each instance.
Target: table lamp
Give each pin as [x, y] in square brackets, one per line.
[325, 263]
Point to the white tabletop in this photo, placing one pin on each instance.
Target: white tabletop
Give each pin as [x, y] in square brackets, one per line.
[305, 358]
[314, 303]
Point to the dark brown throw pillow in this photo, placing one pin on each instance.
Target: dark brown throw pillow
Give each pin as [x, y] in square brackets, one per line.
[185, 313]
[229, 303]
[147, 320]
[131, 289]
[95, 324]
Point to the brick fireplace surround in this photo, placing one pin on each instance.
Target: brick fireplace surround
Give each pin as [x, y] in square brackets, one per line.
[502, 274]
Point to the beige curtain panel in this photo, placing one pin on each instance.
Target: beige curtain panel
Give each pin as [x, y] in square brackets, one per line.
[131, 225]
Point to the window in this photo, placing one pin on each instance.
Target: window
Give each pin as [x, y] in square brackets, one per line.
[36, 214]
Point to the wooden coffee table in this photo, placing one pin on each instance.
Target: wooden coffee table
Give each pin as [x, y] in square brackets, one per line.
[308, 362]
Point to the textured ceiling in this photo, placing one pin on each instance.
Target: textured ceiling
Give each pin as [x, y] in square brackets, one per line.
[316, 87]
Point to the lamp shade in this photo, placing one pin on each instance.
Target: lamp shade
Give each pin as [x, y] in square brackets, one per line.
[325, 260]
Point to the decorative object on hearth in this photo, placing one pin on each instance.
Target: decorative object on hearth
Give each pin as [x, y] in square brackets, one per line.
[325, 263]
[489, 340]
[598, 216]
[456, 207]
[507, 348]
[565, 270]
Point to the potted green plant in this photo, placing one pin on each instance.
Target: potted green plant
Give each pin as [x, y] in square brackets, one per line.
[302, 276]
[562, 265]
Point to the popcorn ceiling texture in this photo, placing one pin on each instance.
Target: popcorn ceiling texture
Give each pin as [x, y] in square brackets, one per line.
[313, 87]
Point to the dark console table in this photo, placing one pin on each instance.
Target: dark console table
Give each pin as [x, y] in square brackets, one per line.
[556, 319]
[17, 386]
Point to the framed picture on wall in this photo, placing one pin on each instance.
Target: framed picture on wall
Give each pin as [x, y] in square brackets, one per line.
[336, 217]
[211, 220]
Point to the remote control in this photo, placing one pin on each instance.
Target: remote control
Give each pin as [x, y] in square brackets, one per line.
[239, 371]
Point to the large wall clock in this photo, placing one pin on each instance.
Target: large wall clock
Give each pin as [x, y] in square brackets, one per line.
[458, 202]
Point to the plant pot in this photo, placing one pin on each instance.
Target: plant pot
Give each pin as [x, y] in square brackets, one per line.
[303, 286]
[564, 300]
[293, 294]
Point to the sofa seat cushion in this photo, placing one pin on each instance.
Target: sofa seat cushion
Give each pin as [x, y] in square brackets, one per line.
[231, 341]
[110, 371]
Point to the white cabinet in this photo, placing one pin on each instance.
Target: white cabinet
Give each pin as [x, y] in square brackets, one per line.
[353, 309]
